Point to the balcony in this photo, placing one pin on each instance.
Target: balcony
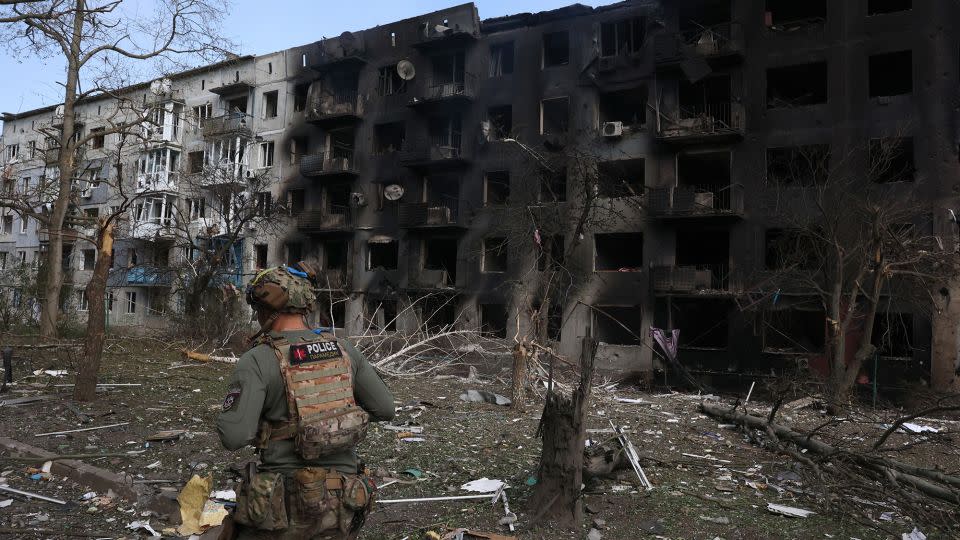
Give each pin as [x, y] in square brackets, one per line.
[431, 215]
[352, 60]
[711, 123]
[141, 276]
[228, 124]
[427, 278]
[339, 163]
[700, 279]
[225, 175]
[167, 134]
[157, 181]
[451, 93]
[153, 229]
[713, 43]
[440, 38]
[691, 202]
[334, 279]
[335, 219]
[233, 88]
[444, 151]
[337, 108]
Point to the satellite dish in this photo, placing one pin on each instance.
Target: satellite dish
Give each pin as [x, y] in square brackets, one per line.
[392, 192]
[58, 111]
[348, 41]
[155, 88]
[166, 85]
[406, 70]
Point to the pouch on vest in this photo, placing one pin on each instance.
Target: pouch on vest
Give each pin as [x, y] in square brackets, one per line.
[324, 417]
[318, 496]
[260, 502]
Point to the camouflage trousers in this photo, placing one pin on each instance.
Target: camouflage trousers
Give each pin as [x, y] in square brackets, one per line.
[320, 504]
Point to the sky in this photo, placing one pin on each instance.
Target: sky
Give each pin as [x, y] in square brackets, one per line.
[263, 26]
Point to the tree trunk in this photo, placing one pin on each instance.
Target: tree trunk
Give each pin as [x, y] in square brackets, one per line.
[518, 395]
[86, 386]
[556, 496]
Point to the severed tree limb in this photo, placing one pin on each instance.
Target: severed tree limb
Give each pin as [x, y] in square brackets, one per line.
[895, 471]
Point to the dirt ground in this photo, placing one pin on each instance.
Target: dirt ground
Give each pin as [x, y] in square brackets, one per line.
[709, 480]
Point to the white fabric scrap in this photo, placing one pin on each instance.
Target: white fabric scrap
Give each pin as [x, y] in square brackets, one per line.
[788, 510]
[483, 485]
[915, 534]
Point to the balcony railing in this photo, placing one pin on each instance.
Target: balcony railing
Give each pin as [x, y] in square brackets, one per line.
[152, 229]
[336, 218]
[695, 201]
[696, 122]
[157, 181]
[337, 162]
[700, 278]
[429, 214]
[228, 124]
[329, 106]
[437, 149]
[464, 89]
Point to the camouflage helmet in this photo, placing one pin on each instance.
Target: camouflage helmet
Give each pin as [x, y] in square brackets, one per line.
[283, 289]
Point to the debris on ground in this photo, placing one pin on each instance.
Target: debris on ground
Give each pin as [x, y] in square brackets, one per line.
[482, 396]
[788, 510]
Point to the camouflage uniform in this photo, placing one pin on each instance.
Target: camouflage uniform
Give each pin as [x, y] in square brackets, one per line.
[318, 493]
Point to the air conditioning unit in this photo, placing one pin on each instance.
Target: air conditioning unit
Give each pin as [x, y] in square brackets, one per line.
[612, 129]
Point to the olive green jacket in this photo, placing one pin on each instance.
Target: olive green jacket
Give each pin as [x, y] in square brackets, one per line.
[256, 393]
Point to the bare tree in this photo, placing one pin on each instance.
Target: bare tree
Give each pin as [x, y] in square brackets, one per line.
[855, 236]
[97, 41]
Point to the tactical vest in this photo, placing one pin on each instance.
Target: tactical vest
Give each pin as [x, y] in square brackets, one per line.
[324, 417]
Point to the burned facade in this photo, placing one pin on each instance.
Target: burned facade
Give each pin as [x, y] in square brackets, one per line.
[417, 160]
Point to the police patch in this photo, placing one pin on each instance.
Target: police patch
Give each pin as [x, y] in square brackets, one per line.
[307, 353]
[232, 395]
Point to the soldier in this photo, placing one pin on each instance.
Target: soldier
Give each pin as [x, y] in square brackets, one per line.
[303, 398]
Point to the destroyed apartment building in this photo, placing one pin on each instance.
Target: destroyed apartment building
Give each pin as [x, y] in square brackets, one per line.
[414, 162]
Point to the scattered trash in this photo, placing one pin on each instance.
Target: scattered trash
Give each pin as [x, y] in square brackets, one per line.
[531, 481]
[599, 524]
[594, 534]
[154, 465]
[192, 499]
[482, 396]
[483, 485]
[51, 372]
[788, 510]
[416, 430]
[6, 503]
[632, 457]
[145, 525]
[88, 495]
[633, 401]
[787, 476]
[467, 534]
[167, 435]
[722, 520]
[915, 534]
[31, 495]
[802, 403]
[79, 430]
[416, 473]
[226, 495]
[908, 427]
[413, 439]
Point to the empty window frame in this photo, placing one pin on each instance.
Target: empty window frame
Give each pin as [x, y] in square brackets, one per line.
[621, 178]
[388, 138]
[97, 139]
[493, 320]
[794, 331]
[703, 324]
[891, 74]
[797, 85]
[893, 335]
[383, 314]
[790, 249]
[496, 188]
[555, 116]
[7, 227]
[553, 186]
[260, 256]
[389, 81]
[89, 259]
[335, 254]
[556, 49]
[296, 199]
[270, 100]
[195, 161]
[264, 203]
[618, 325]
[494, 255]
[626, 106]
[131, 303]
[300, 93]
[266, 154]
[789, 14]
[441, 254]
[880, 7]
[618, 252]
[382, 253]
[623, 37]
[501, 122]
[438, 312]
[891, 160]
[805, 165]
[501, 59]
[294, 253]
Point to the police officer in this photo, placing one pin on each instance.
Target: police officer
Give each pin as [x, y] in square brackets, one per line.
[303, 398]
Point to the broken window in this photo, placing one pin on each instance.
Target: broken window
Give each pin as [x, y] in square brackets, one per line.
[553, 186]
[445, 133]
[622, 37]
[298, 149]
[704, 183]
[494, 255]
[297, 201]
[266, 154]
[556, 49]
[441, 254]
[554, 245]
[501, 59]
[300, 93]
[383, 314]
[335, 254]
[806, 165]
[493, 320]
[195, 161]
[797, 86]
[707, 252]
[618, 325]
[382, 252]
[389, 81]
[789, 248]
[554, 116]
[388, 137]
[270, 104]
[89, 259]
[703, 323]
[448, 68]
[260, 256]
[794, 331]
[438, 312]
[879, 7]
[893, 335]
[294, 253]
[790, 14]
[618, 252]
[891, 160]
[891, 74]
[237, 105]
[501, 121]
[626, 106]
[97, 139]
[621, 178]
[496, 188]
[264, 203]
